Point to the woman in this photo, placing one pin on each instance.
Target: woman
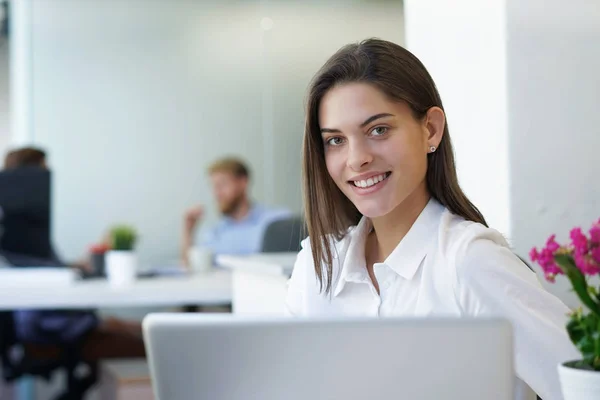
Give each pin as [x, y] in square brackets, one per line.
[390, 231]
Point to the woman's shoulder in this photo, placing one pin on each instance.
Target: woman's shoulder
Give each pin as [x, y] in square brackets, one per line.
[457, 235]
[474, 251]
[305, 263]
[338, 246]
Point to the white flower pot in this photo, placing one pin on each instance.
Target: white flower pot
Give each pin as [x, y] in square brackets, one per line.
[579, 384]
[121, 267]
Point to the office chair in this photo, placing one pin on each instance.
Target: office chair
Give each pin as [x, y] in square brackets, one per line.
[16, 362]
[25, 200]
[284, 235]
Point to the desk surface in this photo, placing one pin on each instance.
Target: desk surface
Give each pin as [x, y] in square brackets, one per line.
[266, 263]
[210, 288]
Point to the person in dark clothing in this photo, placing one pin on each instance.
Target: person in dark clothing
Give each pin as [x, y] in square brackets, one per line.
[46, 333]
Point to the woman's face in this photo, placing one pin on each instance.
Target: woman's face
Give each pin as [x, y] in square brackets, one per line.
[375, 149]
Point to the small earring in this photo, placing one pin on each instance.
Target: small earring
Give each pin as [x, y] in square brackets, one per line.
[432, 149]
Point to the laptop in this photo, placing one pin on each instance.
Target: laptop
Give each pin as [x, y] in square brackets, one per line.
[224, 357]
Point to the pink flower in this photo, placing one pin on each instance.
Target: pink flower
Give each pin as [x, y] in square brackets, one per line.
[595, 252]
[534, 255]
[586, 264]
[595, 233]
[551, 244]
[545, 258]
[585, 252]
[546, 261]
[580, 241]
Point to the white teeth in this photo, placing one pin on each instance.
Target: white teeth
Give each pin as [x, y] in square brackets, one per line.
[371, 181]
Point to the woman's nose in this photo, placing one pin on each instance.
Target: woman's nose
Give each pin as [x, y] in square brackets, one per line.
[359, 156]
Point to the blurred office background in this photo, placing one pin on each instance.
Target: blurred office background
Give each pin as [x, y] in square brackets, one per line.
[133, 99]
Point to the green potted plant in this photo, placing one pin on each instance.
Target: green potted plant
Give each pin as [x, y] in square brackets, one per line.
[121, 260]
[579, 260]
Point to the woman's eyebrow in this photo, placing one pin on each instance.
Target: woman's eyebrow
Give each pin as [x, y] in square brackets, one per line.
[367, 122]
[374, 118]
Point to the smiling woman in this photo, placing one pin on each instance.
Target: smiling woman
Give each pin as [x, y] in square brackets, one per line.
[373, 109]
[391, 231]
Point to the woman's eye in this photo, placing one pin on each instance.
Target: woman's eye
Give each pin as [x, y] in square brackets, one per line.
[334, 141]
[379, 131]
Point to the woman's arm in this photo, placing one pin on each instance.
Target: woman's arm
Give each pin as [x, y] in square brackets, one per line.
[491, 280]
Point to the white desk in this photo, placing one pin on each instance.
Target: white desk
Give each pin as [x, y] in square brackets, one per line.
[211, 288]
[259, 282]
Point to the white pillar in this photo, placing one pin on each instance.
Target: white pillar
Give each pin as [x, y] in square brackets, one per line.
[520, 83]
[21, 76]
[462, 44]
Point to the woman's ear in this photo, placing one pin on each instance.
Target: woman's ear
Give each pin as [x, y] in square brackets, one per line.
[435, 121]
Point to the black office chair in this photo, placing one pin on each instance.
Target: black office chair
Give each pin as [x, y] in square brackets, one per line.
[25, 195]
[16, 362]
[284, 235]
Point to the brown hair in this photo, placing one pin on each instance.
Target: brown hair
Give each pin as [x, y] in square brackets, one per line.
[10, 160]
[230, 165]
[402, 77]
[23, 157]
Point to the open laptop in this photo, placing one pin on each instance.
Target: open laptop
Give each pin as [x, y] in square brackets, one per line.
[223, 357]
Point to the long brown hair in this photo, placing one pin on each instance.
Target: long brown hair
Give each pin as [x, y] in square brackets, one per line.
[402, 77]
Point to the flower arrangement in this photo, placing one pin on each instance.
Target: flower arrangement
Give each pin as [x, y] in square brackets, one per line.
[578, 261]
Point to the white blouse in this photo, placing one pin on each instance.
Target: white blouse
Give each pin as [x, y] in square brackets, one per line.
[445, 266]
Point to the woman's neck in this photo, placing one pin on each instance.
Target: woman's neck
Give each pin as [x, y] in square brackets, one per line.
[390, 229]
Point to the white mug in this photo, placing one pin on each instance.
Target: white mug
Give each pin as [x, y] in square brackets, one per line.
[201, 259]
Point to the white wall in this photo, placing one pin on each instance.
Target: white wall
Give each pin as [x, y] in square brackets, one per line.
[133, 98]
[521, 88]
[554, 98]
